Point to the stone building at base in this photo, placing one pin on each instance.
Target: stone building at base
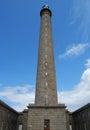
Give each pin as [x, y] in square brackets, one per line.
[47, 117]
[12, 120]
[46, 113]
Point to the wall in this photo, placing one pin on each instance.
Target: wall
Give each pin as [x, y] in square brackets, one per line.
[55, 115]
[34, 117]
[8, 117]
[22, 120]
[81, 118]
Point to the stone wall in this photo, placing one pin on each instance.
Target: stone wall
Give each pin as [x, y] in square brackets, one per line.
[69, 120]
[22, 120]
[38, 114]
[8, 117]
[81, 118]
[33, 118]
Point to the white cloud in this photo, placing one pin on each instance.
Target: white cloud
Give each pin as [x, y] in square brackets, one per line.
[80, 13]
[88, 63]
[75, 50]
[80, 95]
[20, 96]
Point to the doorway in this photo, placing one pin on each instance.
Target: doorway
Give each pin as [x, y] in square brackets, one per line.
[46, 124]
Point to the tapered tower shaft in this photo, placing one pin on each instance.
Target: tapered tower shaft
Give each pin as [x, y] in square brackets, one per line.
[46, 93]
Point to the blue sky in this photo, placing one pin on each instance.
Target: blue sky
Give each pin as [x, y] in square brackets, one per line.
[19, 39]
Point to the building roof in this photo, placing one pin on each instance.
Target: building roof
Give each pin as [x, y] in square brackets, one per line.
[82, 108]
[7, 106]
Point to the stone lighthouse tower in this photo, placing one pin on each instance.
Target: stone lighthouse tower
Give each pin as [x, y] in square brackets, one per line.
[46, 113]
[46, 93]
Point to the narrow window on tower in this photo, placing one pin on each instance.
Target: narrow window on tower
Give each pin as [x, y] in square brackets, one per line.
[46, 84]
[46, 97]
[46, 63]
[46, 73]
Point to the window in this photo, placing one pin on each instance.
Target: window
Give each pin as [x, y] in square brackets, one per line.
[46, 84]
[46, 73]
[70, 127]
[46, 63]
[20, 127]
